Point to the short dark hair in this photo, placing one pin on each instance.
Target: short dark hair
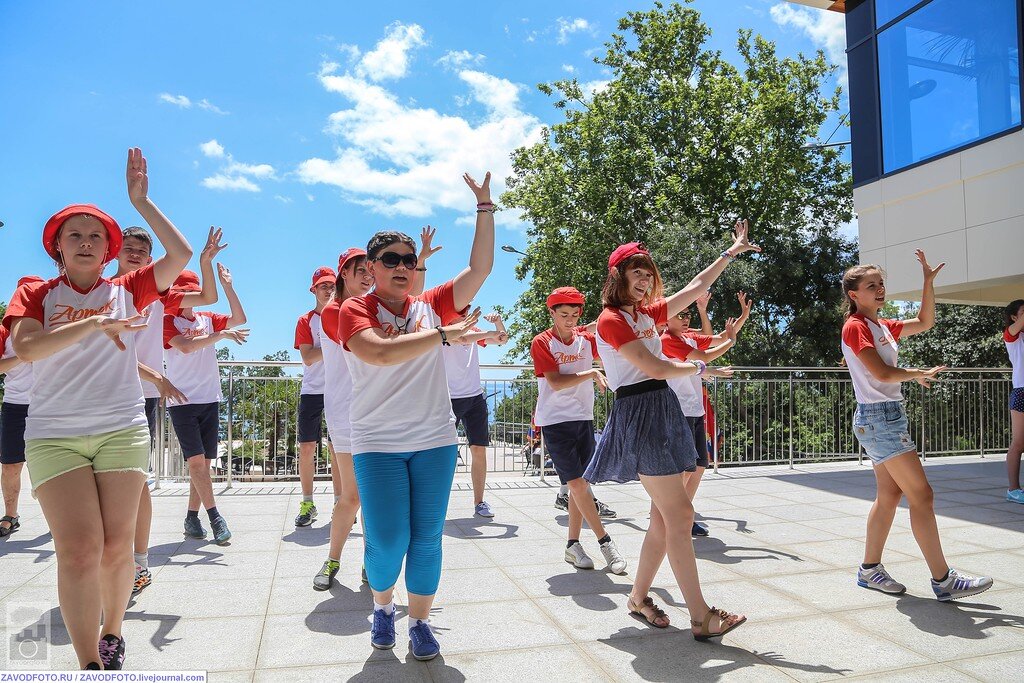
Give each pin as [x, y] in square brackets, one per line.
[1011, 310]
[385, 238]
[557, 306]
[140, 234]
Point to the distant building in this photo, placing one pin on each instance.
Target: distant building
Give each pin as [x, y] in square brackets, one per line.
[938, 148]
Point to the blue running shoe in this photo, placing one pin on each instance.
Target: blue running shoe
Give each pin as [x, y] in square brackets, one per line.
[1015, 496]
[959, 585]
[382, 633]
[194, 528]
[422, 642]
[221, 533]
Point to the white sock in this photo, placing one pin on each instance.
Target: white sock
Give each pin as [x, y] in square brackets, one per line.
[563, 490]
[387, 609]
[142, 560]
[416, 622]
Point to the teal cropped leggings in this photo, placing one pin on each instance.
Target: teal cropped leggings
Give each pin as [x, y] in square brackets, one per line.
[404, 497]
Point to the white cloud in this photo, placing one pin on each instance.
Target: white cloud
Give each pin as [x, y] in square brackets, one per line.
[567, 27]
[254, 170]
[402, 159]
[390, 57]
[185, 103]
[826, 29]
[568, 68]
[351, 51]
[594, 87]
[223, 182]
[310, 197]
[453, 59]
[212, 149]
[282, 199]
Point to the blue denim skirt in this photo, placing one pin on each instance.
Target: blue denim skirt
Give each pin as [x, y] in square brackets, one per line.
[881, 428]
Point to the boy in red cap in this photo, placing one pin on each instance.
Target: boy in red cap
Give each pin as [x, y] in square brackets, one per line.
[86, 441]
[137, 252]
[563, 360]
[308, 331]
[189, 339]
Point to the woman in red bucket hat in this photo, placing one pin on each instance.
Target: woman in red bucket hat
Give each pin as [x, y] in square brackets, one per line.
[86, 435]
[646, 436]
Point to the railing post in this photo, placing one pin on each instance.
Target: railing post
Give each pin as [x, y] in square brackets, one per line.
[231, 413]
[158, 456]
[714, 430]
[981, 415]
[542, 467]
[791, 419]
[924, 421]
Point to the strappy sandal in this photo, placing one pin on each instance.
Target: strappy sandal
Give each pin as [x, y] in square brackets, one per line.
[655, 616]
[14, 525]
[726, 623]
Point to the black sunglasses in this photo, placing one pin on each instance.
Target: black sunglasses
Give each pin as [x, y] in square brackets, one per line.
[391, 259]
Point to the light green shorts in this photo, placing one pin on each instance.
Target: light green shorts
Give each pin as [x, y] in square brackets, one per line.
[126, 450]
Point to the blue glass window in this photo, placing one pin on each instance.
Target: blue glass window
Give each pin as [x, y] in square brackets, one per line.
[949, 74]
[887, 10]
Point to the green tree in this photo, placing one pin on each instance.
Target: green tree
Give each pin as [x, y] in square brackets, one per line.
[963, 337]
[677, 147]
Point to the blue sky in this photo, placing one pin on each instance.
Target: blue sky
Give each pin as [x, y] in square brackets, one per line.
[302, 128]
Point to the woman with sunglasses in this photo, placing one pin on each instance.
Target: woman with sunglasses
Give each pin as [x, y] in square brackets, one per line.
[403, 431]
[646, 436]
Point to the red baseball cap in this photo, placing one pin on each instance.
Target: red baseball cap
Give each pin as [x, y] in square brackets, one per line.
[624, 251]
[350, 253]
[565, 295]
[323, 274]
[29, 279]
[52, 227]
[188, 281]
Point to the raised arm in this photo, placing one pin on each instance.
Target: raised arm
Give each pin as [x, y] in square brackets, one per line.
[688, 294]
[702, 310]
[718, 351]
[499, 328]
[481, 256]
[372, 346]
[208, 295]
[658, 368]
[237, 312]
[419, 279]
[178, 252]
[1016, 326]
[925, 319]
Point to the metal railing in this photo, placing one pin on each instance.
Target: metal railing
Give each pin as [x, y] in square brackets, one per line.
[762, 415]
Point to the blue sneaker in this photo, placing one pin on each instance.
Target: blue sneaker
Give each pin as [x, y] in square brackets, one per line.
[959, 585]
[221, 533]
[1015, 496]
[382, 633]
[422, 642]
[194, 528]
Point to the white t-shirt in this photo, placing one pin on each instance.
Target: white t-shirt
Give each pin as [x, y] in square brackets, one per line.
[337, 381]
[18, 380]
[688, 389]
[860, 333]
[550, 354]
[149, 343]
[615, 329]
[90, 387]
[307, 331]
[462, 367]
[194, 374]
[404, 407]
[1015, 349]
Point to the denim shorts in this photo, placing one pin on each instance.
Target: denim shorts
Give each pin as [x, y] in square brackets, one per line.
[881, 429]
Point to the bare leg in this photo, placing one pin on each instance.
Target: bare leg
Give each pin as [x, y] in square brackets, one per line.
[580, 497]
[1013, 455]
[479, 472]
[336, 480]
[199, 478]
[307, 451]
[119, 500]
[887, 499]
[193, 493]
[652, 552]
[10, 482]
[346, 507]
[692, 480]
[419, 606]
[143, 521]
[575, 518]
[907, 472]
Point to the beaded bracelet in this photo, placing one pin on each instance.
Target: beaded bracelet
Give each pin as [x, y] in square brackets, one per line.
[701, 367]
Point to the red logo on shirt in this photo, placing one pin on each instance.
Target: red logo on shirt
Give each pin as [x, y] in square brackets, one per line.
[564, 358]
[193, 332]
[647, 333]
[64, 314]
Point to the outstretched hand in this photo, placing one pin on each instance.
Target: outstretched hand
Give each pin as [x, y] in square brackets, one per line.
[213, 245]
[482, 192]
[238, 335]
[456, 330]
[426, 240]
[137, 175]
[929, 272]
[741, 239]
[114, 327]
[730, 329]
[702, 301]
[745, 303]
[725, 372]
[600, 380]
[224, 273]
[928, 376]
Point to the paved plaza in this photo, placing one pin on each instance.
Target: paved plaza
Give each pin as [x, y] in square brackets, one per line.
[783, 549]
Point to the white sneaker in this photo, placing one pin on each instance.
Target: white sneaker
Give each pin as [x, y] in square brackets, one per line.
[577, 557]
[616, 564]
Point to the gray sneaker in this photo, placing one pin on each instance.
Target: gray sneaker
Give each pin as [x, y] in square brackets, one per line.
[325, 577]
[221, 533]
[483, 510]
[616, 564]
[577, 557]
[561, 501]
[959, 585]
[603, 511]
[878, 579]
[194, 528]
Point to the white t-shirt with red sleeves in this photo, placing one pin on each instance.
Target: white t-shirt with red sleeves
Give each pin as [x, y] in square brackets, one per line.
[616, 328]
[1015, 349]
[307, 331]
[462, 367]
[149, 343]
[688, 389]
[337, 380]
[860, 333]
[89, 387]
[551, 354]
[18, 380]
[404, 407]
[194, 374]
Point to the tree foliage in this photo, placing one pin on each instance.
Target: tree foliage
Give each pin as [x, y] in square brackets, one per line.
[677, 147]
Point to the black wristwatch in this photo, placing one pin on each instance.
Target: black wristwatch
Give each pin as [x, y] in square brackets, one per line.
[444, 337]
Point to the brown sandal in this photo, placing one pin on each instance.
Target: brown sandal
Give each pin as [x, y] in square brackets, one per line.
[726, 623]
[655, 616]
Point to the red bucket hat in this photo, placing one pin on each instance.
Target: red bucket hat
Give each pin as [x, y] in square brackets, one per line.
[188, 281]
[565, 295]
[624, 251]
[348, 254]
[323, 274]
[114, 238]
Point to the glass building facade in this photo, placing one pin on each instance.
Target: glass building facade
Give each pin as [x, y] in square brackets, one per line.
[930, 77]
